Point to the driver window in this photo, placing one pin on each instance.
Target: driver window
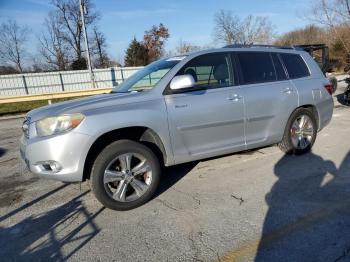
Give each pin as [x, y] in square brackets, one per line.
[209, 71]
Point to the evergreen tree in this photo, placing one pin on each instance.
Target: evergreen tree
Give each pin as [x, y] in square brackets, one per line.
[136, 54]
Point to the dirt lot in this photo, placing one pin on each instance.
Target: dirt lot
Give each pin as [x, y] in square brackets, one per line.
[258, 205]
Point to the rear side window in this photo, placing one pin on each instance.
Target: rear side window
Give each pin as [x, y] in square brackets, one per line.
[295, 65]
[256, 67]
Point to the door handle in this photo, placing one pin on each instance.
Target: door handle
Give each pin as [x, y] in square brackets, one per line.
[288, 90]
[234, 97]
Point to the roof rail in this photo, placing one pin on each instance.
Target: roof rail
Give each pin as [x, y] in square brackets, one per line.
[268, 46]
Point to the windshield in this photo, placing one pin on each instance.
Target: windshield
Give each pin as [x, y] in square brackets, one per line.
[149, 76]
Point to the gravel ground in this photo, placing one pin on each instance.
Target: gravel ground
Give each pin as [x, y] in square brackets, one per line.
[258, 205]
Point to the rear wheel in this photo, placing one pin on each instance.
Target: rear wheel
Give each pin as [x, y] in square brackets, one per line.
[300, 133]
[125, 175]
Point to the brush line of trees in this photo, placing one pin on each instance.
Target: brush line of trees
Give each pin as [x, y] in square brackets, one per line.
[61, 42]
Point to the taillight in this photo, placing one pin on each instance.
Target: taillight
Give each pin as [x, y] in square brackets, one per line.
[329, 88]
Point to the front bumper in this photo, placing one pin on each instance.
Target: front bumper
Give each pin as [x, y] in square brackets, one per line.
[68, 150]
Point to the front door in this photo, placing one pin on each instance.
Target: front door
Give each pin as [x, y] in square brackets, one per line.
[207, 119]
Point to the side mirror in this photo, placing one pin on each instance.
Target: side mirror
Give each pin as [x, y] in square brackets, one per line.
[180, 82]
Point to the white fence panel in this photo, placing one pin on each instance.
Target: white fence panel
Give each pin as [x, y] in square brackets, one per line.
[53, 82]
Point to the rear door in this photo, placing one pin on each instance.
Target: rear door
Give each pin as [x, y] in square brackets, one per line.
[207, 119]
[269, 96]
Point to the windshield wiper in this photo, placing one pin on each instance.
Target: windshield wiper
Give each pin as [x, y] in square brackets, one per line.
[129, 91]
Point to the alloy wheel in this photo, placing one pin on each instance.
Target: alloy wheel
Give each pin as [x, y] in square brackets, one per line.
[127, 177]
[302, 132]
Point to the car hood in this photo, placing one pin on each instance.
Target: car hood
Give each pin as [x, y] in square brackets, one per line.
[86, 105]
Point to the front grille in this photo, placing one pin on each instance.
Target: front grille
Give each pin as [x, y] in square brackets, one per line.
[25, 126]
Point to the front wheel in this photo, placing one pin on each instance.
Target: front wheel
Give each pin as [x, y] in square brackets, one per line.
[300, 133]
[125, 175]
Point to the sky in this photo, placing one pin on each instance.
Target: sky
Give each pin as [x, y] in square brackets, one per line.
[187, 20]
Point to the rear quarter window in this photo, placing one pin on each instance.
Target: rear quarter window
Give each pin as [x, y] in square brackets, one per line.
[295, 65]
[281, 74]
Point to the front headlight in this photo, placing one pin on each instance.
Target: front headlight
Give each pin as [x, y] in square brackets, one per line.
[58, 124]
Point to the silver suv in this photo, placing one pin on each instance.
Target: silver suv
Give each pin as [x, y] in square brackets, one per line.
[176, 110]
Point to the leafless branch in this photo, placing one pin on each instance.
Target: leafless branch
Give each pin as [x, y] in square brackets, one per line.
[185, 47]
[52, 45]
[230, 29]
[335, 14]
[12, 40]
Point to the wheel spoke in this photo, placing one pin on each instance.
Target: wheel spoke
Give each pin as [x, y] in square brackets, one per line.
[308, 131]
[141, 168]
[302, 121]
[112, 176]
[139, 186]
[307, 122]
[125, 161]
[120, 193]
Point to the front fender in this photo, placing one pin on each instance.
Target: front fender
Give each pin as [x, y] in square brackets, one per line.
[148, 114]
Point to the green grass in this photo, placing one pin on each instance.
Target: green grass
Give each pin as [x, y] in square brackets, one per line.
[23, 107]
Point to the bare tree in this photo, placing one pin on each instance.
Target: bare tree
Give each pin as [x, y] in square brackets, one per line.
[61, 44]
[335, 14]
[12, 40]
[230, 29]
[227, 27]
[257, 29]
[185, 47]
[68, 14]
[98, 48]
[53, 48]
[38, 65]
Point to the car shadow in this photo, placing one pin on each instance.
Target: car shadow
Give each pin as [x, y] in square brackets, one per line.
[308, 215]
[53, 235]
[171, 175]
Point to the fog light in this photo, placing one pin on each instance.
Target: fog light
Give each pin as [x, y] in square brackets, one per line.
[50, 166]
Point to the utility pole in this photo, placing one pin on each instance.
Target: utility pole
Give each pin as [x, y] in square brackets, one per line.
[83, 12]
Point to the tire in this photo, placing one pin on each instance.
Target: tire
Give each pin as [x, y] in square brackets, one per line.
[122, 186]
[295, 141]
